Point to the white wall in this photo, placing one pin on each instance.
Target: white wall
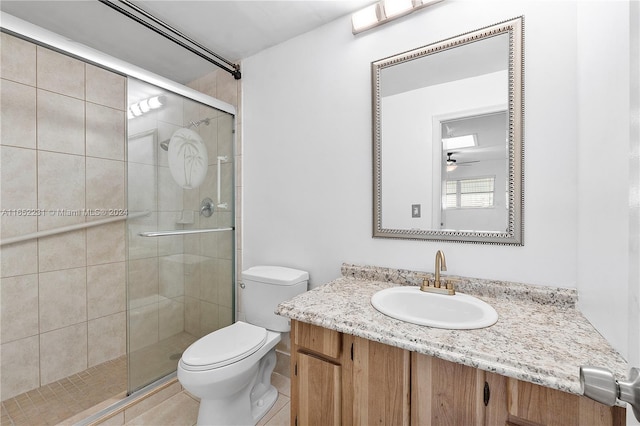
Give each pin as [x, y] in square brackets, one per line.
[634, 234]
[307, 154]
[307, 172]
[603, 167]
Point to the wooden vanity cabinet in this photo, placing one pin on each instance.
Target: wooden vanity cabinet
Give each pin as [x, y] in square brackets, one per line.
[446, 393]
[339, 379]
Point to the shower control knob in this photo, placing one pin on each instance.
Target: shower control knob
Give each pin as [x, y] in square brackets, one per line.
[206, 207]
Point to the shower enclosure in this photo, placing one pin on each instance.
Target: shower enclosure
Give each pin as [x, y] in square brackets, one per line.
[117, 234]
[181, 254]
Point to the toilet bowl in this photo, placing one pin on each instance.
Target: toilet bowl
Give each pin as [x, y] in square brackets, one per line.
[230, 369]
[236, 390]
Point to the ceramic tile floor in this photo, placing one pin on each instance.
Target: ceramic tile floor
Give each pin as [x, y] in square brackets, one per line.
[99, 385]
[182, 409]
[59, 400]
[157, 360]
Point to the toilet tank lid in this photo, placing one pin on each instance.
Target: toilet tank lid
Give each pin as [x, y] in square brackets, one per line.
[278, 275]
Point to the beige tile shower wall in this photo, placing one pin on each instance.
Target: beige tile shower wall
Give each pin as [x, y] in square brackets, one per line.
[207, 300]
[61, 149]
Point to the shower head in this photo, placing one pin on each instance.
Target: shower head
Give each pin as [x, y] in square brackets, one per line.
[199, 122]
[165, 144]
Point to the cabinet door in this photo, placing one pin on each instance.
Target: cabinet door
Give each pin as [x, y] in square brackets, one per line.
[377, 387]
[533, 404]
[444, 393]
[318, 392]
[496, 412]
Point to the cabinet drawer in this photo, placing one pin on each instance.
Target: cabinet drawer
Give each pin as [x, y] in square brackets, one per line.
[316, 339]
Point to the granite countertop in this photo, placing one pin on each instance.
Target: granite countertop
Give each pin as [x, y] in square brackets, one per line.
[540, 337]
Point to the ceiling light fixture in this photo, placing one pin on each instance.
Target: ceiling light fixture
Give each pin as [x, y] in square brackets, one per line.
[365, 18]
[385, 11]
[145, 105]
[393, 8]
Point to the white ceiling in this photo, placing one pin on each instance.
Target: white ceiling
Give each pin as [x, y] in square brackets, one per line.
[234, 29]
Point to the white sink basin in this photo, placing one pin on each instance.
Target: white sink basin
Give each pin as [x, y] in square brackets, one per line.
[460, 311]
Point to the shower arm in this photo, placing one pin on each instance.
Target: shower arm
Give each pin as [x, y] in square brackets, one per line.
[233, 69]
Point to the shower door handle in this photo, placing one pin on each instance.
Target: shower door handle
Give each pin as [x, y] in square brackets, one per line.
[600, 385]
[182, 232]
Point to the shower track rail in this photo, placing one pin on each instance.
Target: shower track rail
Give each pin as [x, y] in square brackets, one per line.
[182, 232]
[157, 25]
[70, 228]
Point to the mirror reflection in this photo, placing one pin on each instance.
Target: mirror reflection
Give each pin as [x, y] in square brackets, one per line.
[474, 164]
[447, 139]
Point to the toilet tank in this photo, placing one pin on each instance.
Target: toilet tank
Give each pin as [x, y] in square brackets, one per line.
[264, 287]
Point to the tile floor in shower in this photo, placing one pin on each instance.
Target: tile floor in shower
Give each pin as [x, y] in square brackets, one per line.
[57, 401]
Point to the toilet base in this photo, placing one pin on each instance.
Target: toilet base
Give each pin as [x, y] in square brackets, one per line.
[247, 406]
[234, 411]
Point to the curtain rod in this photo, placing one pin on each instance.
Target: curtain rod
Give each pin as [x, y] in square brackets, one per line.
[233, 69]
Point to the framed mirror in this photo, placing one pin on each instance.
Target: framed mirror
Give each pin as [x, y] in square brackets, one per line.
[448, 139]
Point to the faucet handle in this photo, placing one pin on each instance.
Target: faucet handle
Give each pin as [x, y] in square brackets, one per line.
[426, 283]
[450, 282]
[451, 285]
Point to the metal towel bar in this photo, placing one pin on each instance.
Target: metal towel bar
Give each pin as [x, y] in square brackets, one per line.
[182, 232]
[76, 227]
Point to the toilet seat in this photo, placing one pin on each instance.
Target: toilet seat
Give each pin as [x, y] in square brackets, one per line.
[223, 347]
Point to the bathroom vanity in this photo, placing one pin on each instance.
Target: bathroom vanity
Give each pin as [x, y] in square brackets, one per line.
[350, 364]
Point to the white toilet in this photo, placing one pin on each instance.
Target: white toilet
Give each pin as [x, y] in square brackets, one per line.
[230, 369]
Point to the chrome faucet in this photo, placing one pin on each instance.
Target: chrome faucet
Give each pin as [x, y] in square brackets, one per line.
[435, 286]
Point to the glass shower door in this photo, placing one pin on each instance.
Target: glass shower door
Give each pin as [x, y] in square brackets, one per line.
[180, 255]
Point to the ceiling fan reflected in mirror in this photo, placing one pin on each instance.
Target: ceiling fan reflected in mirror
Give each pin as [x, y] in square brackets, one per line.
[452, 163]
